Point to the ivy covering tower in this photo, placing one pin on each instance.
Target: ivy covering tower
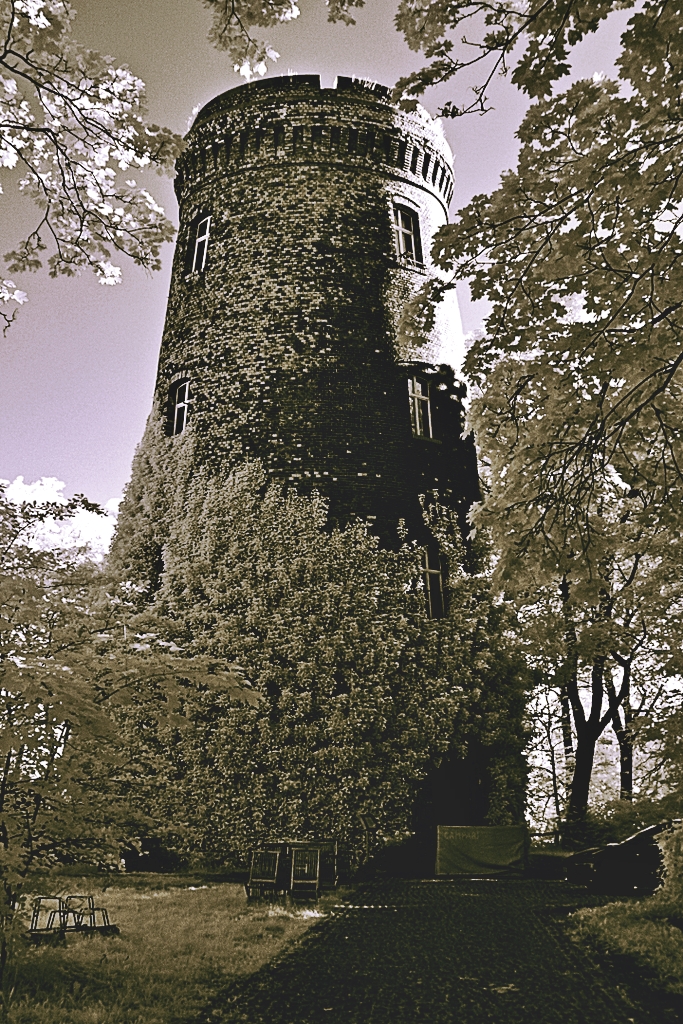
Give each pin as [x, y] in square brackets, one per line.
[306, 221]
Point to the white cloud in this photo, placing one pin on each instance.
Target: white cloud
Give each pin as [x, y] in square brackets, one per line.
[82, 529]
[195, 111]
[112, 506]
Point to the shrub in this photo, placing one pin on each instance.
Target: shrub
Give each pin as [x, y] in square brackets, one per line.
[671, 890]
[647, 932]
[639, 931]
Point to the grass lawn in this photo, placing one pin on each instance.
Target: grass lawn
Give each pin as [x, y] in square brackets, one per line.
[643, 938]
[639, 932]
[177, 946]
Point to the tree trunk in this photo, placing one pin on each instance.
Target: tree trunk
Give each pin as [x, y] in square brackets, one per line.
[8, 943]
[588, 731]
[626, 766]
[565, 717]
[583, 769]
[590, 727]
[568, 688]
[624, 735]
[623, 729]
[548, 727]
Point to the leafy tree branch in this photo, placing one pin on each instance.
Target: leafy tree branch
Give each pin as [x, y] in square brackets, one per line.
[73, 127]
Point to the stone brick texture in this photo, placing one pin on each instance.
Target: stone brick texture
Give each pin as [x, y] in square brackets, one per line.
[289, 335]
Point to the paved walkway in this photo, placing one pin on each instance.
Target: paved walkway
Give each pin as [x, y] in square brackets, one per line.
[469, 952]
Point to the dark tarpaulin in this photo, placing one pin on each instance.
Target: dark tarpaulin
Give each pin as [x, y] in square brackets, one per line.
[480, 849]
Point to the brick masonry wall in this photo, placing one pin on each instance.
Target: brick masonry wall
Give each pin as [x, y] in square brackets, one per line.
[289, 335]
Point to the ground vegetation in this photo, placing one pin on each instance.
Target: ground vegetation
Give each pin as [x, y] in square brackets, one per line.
[647, 934]
[181, 939]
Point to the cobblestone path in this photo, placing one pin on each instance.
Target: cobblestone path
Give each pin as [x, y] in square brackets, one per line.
[410, 952]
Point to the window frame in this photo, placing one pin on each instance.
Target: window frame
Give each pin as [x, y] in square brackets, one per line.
[418, 400]
[200, 240]
[430, 574]
[411, 253]
[183, 384]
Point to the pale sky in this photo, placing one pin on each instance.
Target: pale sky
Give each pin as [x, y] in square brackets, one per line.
[77, 369]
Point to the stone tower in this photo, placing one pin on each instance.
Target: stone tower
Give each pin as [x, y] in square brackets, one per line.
[306, 221]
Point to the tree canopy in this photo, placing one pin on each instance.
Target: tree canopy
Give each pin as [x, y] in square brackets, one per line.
[577, 378]
[532, 39]
[68, 665]
[73, 130]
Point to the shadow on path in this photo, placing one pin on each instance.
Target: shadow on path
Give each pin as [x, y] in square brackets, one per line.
[433, 952]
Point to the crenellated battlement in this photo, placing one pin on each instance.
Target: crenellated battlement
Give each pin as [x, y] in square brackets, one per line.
[291, 119]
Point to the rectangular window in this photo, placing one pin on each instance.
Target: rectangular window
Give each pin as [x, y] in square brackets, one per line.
[433, 585]
[420, 407]
[407, 234]
[181, 405]
[201, 242]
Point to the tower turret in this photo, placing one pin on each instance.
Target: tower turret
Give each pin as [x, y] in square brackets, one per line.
[306, 221]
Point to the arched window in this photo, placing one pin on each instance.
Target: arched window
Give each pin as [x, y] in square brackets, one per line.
[199, 244]
[407, 234]
[178, 406]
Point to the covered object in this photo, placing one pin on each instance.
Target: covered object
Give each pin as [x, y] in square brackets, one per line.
[480, 849]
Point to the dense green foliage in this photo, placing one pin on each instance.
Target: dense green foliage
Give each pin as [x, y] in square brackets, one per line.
[52, 721]
[360, 692]
[578, 421]
[66, 666]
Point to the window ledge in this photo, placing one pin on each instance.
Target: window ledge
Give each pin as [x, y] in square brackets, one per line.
[406, 264]
[429, 440]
